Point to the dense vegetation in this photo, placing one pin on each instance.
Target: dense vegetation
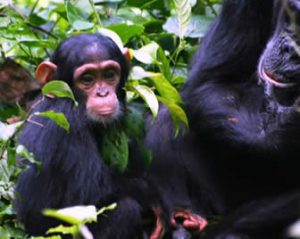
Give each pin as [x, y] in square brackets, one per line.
[161, 36]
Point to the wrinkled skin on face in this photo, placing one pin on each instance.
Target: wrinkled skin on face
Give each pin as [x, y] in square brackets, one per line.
[279, 66]
[98, 82]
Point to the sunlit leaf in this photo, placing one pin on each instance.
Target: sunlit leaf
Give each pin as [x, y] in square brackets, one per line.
[8, 130]
[114, 36]
[23, 152]
[60, 89]
[149, 97]
[138, 73]
[65, 230]
[162, 85]
[177, 113]
[59, 118]
[74, 215]
[107, 208]
[75, 19]
[147, 54]
[165, 89]
[184, 11]
[197, 27]
[80, 213]
[293, 231]
[131, 30]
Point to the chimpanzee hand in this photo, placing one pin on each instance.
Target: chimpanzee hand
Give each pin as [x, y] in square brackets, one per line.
[189, 221]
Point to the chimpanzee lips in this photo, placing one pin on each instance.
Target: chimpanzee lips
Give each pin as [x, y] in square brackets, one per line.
[272, 79]
[283, 92]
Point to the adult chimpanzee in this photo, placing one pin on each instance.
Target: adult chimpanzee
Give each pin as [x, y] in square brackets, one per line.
[243, 145]
[73, 171]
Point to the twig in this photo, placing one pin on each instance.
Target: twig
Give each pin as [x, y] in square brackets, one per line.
[34, 122]
[211, 7]
[96, 13]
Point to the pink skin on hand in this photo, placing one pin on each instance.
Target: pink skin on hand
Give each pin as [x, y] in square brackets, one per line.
[190, 221]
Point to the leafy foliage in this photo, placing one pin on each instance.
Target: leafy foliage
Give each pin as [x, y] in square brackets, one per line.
[161, 37]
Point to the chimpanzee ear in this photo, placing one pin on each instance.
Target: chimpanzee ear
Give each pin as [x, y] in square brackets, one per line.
[128, 55]
[45, 72]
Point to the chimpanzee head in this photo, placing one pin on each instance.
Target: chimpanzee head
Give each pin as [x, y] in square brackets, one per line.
[96, 70]
[279, 66]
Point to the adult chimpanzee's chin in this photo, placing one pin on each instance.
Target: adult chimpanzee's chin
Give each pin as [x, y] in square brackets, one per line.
[279, 89]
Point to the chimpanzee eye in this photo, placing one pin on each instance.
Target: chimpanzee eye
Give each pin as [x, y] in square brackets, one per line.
[86, 79]
[109, 74]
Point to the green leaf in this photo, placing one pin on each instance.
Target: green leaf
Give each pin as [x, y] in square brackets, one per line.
[74, 215]
[131, 31]
[165, 88]
[65, 218]
[37, 20]
[162, 85]
[112, 35]
[23, 152]
[147, 54]
[164, 63]
[59, 118]
[184, 11]
[108, 208]
[8, 130]
[65, 230]
[196, 29]
[114, 148]
[11, 157]
[60, 89]
[38, 43]
[10, 231]
[177, 113]
[149, 97]
[134, 122]
[75, 18]
[6, 210]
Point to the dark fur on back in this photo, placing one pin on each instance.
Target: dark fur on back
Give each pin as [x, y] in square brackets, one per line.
[242, 144]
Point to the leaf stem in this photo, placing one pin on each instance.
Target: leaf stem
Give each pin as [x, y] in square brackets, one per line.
[96, 13]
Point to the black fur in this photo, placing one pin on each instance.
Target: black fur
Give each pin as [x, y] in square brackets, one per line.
[73, 172]
[244, 138]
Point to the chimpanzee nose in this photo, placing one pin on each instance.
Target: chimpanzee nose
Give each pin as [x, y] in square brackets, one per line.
[102, 92]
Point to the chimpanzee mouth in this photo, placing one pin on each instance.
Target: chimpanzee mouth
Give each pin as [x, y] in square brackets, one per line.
[270, 78]
[277, 88]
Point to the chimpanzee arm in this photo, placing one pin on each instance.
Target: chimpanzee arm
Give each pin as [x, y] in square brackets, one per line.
[72, 173]
[262, 219]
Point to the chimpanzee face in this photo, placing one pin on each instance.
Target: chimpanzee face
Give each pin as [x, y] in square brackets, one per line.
[96, 70]
[98, 82]
[279, 66]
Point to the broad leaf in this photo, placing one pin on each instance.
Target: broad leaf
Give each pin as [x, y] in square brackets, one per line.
[197, 27]
[131, 31]
[184, 11]
[60, 89]
[165, 89]
[8, 130]
[59, 118]
[147, 54]
[75, 19]
[112, 35]
[74, 215]
[149, 97]
[162, 85]
[177, 113]
[23, 152]
[114, 148]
